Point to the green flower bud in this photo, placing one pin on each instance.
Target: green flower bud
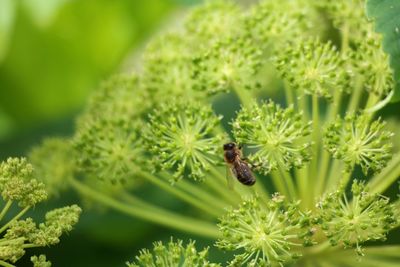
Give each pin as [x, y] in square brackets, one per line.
[277, 135]
[270, 233]
[172, 255]
[40, 261]
[180, 137]
[314, 68]
[367, 217]
[17, 183]
[356, 141]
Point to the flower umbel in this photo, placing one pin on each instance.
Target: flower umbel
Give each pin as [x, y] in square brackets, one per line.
[356, 141]
[313, 67]
[108, 146]
[276, 134]
[182, 137]
[231, 64]
[174, 254]
[269, 232]
[350, 222]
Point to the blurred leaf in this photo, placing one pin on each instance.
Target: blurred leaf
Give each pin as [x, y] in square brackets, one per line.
[43, 11]
[7, 13]
[387, 22]
[48, 72]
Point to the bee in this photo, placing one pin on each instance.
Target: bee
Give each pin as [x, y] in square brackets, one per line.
[238, 167]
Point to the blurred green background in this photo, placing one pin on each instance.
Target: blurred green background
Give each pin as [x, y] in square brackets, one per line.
[53, 53]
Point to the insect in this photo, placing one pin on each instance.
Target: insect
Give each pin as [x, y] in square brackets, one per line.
[238, 167]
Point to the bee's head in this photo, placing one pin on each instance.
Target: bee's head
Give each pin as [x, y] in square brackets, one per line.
[229, 146]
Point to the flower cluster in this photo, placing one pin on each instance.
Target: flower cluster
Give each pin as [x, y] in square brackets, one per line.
[314, 68]
[269, 232]
[174, 254]
[106, 145]
[356, 141]
[182, 137]
[272, 23]
[18, 185]
[350, 222]
[228, 64]
[277, 135]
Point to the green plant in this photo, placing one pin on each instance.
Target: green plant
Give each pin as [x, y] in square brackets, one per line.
[19, 188]
[322, 130]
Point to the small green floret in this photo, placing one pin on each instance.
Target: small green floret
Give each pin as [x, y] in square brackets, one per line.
[182, 137]
[276, 135]
[351, 222]
[356, 141]
[231, 64]
[174, 254]
[270, 233]
[314, 68]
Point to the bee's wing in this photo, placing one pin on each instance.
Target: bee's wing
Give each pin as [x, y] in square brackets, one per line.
[230, 177]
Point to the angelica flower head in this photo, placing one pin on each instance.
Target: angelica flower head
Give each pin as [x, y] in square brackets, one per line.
[182, 137]
[108, 146]
[228, 64]
[356, 141]
[277, 134]
[215, 20]
[351, 222]
[373, 64]
[18, 184]
[313, 67]
[276, 22]
[266, 233]
[174, 254]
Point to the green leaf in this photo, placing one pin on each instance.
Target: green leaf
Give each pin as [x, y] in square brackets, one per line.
[387, 22]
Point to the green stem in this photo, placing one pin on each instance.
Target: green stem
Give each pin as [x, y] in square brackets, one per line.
[289, 94]
[174, 191]
[301, 180]
[314, 161]
[245, 97]
[230, 195]
[172, 220]
[5, 209]
[379, 183]
[146, 205]
[289, 183]
[6, 264]
[279, 184]
[355, 95]
[334, 174]
[199, 191]
[334, 109]
[16, 217]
